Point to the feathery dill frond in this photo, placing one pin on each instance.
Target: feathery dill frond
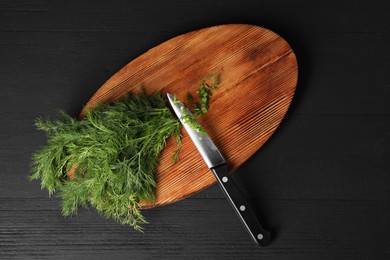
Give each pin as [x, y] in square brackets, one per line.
[111, 155]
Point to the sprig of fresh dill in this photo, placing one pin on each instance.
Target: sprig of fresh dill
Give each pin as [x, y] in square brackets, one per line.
[108, 159]
[210, 83]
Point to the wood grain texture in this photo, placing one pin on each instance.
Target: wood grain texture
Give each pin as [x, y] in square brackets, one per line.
[328, 236]
[258, 72]
[321, 182]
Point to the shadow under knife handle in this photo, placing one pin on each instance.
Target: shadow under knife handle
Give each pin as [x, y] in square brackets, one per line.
[241, 206]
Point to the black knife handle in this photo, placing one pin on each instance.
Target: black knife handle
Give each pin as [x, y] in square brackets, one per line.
[241, 206]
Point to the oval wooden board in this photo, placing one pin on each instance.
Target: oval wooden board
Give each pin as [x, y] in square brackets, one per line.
[258, 72]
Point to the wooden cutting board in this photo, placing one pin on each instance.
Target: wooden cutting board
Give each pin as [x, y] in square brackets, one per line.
[258, 72]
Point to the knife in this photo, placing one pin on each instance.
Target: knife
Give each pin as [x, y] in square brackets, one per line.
[218, 166]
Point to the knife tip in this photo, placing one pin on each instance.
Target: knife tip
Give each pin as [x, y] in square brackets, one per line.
[170, 97]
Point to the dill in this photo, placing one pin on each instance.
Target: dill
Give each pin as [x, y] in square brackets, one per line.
[210, 83]
[204, 93]
[108, 159]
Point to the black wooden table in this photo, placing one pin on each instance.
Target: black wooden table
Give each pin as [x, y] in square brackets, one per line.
[321, 183]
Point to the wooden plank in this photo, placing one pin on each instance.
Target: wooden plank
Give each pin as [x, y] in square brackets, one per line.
[326, 16]
[198, 228]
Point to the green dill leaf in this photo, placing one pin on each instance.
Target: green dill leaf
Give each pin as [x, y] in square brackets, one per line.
[175, 101]
[210, 83]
